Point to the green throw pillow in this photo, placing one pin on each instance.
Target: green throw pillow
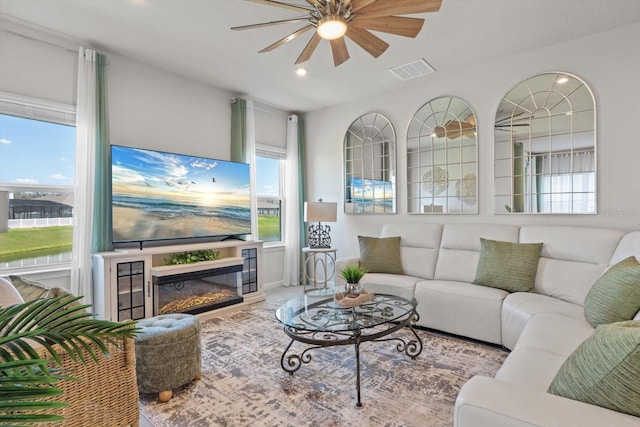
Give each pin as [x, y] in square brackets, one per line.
[605, 369]
[28, 289]
[506, 265]
[380, 255]
[615, 297]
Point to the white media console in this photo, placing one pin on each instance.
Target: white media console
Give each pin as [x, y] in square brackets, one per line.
[131, 283]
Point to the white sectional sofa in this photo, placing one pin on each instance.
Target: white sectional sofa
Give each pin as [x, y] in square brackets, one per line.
[542, 328]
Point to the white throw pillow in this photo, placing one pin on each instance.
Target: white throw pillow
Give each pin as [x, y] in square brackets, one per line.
[9, 295]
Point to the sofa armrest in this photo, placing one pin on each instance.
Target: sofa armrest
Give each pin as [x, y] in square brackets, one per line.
[487, 402]
[342, 263]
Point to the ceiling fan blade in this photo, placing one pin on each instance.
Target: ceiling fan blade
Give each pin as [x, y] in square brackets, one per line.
[283, 5]
[399, 7]
[266, 24]
[339, 50]
[398, 25]
[374, 45]
[359, 4]
[309, 48]
[286, 39]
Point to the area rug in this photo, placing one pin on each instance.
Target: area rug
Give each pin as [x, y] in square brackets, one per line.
[243, 383]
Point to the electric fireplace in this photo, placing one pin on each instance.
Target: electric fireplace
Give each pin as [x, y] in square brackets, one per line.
[198, 291]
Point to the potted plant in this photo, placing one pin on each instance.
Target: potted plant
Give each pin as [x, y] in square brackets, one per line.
[352, 275]
[59, 324]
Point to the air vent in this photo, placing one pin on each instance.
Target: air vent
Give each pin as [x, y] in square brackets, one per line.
[412, 70]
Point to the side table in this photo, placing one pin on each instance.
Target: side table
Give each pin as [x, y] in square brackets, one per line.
[318, 268]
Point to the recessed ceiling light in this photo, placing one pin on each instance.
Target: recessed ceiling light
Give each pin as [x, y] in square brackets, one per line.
[301, 71]
[562, 80]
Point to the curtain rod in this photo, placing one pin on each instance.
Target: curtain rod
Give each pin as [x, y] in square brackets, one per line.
[255, 107]
[4, 30]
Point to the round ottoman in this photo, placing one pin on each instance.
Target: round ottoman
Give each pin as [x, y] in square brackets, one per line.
[167, 353]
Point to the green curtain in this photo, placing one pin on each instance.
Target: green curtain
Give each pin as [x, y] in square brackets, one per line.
[301, 186]
[238, 130]
[101, 239]
[518, 177]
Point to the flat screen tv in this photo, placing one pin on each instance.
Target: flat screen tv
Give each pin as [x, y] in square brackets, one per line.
[165, 196]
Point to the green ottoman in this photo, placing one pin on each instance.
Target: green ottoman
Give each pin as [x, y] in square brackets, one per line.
[167, 353]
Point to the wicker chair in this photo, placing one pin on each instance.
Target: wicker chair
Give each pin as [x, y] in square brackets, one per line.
[104, 394]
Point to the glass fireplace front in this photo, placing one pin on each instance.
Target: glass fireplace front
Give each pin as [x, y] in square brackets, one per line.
[198, 291]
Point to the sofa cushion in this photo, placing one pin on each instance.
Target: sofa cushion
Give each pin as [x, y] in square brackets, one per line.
[380, 255]
[370, 280]
[9, 295]
[530, 368]
[507, 265]
[519, 307]
[419, 244]
[605, 369]
[628, 245]
[615, 297]
[572, 258]
[460, 308]
[460, 248]
[554, 333]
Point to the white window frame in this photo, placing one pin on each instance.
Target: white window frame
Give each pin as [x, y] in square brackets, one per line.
[44, 111]
[273, 152]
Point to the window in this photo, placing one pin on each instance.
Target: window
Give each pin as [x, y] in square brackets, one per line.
[269, 191]
[37, 164]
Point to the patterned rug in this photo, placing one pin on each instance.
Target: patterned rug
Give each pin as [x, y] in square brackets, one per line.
[243, 383]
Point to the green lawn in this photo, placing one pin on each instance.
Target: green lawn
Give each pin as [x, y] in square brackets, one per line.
[269, 228]
[19, 243]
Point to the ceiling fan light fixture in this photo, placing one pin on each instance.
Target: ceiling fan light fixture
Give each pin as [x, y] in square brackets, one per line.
[332, 27]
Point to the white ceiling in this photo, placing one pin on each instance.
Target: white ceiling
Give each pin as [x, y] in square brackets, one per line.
[192, 38]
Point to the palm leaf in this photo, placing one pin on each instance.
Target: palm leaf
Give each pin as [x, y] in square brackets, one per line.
[47, 322]
[60, 325]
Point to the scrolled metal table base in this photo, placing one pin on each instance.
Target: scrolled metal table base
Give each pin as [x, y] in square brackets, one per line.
[294, 361]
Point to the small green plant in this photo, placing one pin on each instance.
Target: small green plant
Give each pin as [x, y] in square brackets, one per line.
[352, 273]
[193, 256]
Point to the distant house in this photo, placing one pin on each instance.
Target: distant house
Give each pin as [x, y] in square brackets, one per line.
[38, 208]
[268, 207]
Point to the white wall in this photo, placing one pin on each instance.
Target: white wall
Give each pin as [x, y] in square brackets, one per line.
[35, 69]
[606, 61]
[148, 107]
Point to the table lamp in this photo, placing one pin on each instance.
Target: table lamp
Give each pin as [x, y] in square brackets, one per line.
[320, 212]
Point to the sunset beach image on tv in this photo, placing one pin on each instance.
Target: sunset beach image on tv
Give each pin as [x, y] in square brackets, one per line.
[158, 195]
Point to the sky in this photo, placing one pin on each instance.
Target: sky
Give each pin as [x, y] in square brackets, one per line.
[36, 152]
[148, 171]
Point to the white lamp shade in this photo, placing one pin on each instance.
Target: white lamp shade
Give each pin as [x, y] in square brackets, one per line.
[320, 211]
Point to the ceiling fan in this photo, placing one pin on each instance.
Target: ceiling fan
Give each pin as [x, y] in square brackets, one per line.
[507, 123]
[454, 129]
[355, 19]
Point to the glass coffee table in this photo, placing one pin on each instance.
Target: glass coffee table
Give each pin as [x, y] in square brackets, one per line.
[318, 321]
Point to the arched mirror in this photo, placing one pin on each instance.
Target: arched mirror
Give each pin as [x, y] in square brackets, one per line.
[442, 158]
[545, 147]
[370, 166]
